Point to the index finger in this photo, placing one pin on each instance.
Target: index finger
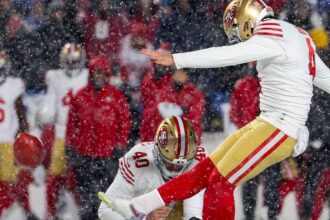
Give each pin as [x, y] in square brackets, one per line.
[148, 52]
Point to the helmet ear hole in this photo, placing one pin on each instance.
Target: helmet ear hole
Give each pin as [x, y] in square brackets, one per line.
[246, 26]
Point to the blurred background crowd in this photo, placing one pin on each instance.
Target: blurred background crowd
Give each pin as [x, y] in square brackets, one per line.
[33, 33]
[36, 34]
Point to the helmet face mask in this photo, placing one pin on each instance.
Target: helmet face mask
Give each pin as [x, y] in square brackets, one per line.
[167, 168]
[242, 16]
[175, 146]
[235, 37]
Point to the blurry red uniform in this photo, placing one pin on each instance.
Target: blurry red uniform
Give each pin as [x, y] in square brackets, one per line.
[102, 37]
[189, 98]
[150, 86]
[136, 63]
[245, 101]
[98, 123]
[151, 25]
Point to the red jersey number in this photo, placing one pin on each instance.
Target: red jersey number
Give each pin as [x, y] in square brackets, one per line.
[2, 111]
[140, 159]
[311, 53]
[311, 64]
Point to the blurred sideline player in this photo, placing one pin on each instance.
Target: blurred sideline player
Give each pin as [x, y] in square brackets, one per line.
[288, 66]
[14, 181]
[150, 164]
[62, 85]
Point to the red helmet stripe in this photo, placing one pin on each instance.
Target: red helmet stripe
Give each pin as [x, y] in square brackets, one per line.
[182, 138]
[179, 136]
[186, 138]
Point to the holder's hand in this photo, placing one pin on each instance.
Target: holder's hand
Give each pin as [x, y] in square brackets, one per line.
[159, 214]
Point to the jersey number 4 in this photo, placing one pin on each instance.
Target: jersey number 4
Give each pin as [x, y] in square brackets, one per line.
[311, 64]
[311, 51]
[2, 111]
[140, 159]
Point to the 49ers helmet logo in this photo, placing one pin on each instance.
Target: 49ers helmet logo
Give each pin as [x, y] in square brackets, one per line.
[162, 137]
[229, 18]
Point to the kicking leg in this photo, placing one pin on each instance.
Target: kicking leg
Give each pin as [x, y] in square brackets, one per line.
[193, 181]
[219, 198]
[262, 146]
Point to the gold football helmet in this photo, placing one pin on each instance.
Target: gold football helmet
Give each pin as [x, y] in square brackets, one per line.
[175, 146]
[242, 16]
[72, 56]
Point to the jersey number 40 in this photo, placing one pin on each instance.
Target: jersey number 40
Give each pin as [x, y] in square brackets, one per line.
[140, 159]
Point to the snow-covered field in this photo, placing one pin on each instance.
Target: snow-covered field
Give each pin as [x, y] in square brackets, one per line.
[211, 140]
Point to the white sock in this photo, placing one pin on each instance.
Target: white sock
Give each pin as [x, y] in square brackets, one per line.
[148, 202]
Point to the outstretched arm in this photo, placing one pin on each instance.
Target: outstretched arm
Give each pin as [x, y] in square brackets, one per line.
[159, 57]
[118, 189]
[257, 48]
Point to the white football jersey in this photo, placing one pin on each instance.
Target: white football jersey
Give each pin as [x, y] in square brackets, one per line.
[138, 175]
[10, 90]
[61, 88]
[287, 67]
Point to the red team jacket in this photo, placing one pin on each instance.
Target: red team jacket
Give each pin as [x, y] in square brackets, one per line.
[189, 98]
[98, 123]
[245, 101]
[150, 87]
[103, 36]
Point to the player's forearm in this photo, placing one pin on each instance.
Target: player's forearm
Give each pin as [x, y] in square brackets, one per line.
[252, 50]
[106, 213]
[118, 189]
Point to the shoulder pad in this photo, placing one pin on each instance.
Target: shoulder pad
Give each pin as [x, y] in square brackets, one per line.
[135, 161]
[269, 28]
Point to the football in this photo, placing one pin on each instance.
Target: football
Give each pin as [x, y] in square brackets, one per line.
[29, 151]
